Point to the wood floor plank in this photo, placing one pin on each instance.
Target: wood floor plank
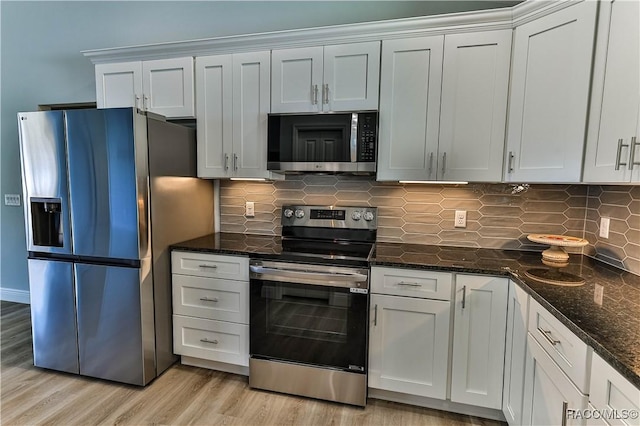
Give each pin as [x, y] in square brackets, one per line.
[183, 395]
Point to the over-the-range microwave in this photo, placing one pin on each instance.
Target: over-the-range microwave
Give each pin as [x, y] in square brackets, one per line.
[323, 142]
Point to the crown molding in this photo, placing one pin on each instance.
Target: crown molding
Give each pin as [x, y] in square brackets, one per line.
[483, 20]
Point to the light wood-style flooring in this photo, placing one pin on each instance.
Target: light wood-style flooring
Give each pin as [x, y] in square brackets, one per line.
[182, 395]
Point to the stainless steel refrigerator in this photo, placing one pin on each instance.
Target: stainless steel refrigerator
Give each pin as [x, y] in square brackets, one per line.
[106, 192]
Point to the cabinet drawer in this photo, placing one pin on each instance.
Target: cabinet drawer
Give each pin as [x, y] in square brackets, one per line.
[411, 282]
[210, 265]
[213, 340]
[212, 298]
[565, 348]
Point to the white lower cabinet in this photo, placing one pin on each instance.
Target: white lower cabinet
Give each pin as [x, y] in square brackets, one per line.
[409, 331]
[479, 340]
[613, 399]
[409, 348]
[549, 394]
[515, 354]
[211, 310]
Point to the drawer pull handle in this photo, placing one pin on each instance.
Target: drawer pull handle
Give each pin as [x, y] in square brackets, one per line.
[549, 337]
[206, 299]
[208, 266]
[205, 340]
[565, 408]
[409, 284]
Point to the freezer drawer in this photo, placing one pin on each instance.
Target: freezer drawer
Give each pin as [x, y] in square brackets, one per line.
[53, 316]
[111, 338]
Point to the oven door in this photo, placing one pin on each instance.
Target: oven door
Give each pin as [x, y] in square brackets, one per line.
[309, 314]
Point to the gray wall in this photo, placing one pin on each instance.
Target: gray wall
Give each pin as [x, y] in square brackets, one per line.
[41, 61]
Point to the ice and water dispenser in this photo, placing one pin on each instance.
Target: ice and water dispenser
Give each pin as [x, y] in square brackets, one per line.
[46, 222]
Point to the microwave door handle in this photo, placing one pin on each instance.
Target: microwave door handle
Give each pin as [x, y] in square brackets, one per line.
[354, 137]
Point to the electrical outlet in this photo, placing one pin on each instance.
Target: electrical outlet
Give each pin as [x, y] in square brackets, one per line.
[11, 199]
[604, 227]
[249, 209]
[460, 220]
[598, 294]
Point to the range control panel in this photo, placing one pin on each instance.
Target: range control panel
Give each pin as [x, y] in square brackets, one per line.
[330, 216]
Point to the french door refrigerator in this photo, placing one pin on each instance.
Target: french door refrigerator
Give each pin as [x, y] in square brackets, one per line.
[106, 192]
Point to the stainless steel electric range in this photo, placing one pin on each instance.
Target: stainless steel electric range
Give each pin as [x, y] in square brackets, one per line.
[309, 307]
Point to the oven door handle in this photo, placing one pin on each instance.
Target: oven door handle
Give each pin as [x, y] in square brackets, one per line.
[305, 277]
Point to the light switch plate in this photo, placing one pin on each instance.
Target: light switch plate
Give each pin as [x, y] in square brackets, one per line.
[460, 220]
[604, 227]
[598, 294]
[249, 209]
[11, 199]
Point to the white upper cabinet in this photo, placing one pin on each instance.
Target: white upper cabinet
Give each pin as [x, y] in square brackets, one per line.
[231, 111]
[163, 86]
[473, 112]
[549, 95]
[615, 101]
[410, 82]
[480, 320]
[330, 78]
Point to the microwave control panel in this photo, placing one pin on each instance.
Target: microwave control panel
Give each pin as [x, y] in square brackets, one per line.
[367, 136]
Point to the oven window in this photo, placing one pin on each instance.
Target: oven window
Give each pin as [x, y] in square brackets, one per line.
[308, 313]
[309, 324]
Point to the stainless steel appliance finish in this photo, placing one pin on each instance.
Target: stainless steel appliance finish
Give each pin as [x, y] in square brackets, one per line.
[304, 380]
[309, 308]
[335, 142]
[106, 192]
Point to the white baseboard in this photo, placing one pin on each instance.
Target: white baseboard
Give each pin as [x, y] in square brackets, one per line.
[12, 295]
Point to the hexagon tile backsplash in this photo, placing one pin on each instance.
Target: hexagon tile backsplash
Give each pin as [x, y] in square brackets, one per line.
[423, 214]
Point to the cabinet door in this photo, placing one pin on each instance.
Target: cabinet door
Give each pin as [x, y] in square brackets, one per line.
[351, 77]
[410, 79]
[548, 394]
[549, 96]
[214, 111]
[611, 393]
[119, 85]
[296, 85]
[250, 108]
[478, 340]
[409, 346]
[473, 112]
[515, 354]
[168, 87]
[616, 94]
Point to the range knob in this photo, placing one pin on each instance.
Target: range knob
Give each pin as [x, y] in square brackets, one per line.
[288, 213]
[368, 216]
[299, 213]
[357, 215]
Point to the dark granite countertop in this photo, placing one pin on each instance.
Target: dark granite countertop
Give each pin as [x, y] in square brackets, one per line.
[611, 329]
